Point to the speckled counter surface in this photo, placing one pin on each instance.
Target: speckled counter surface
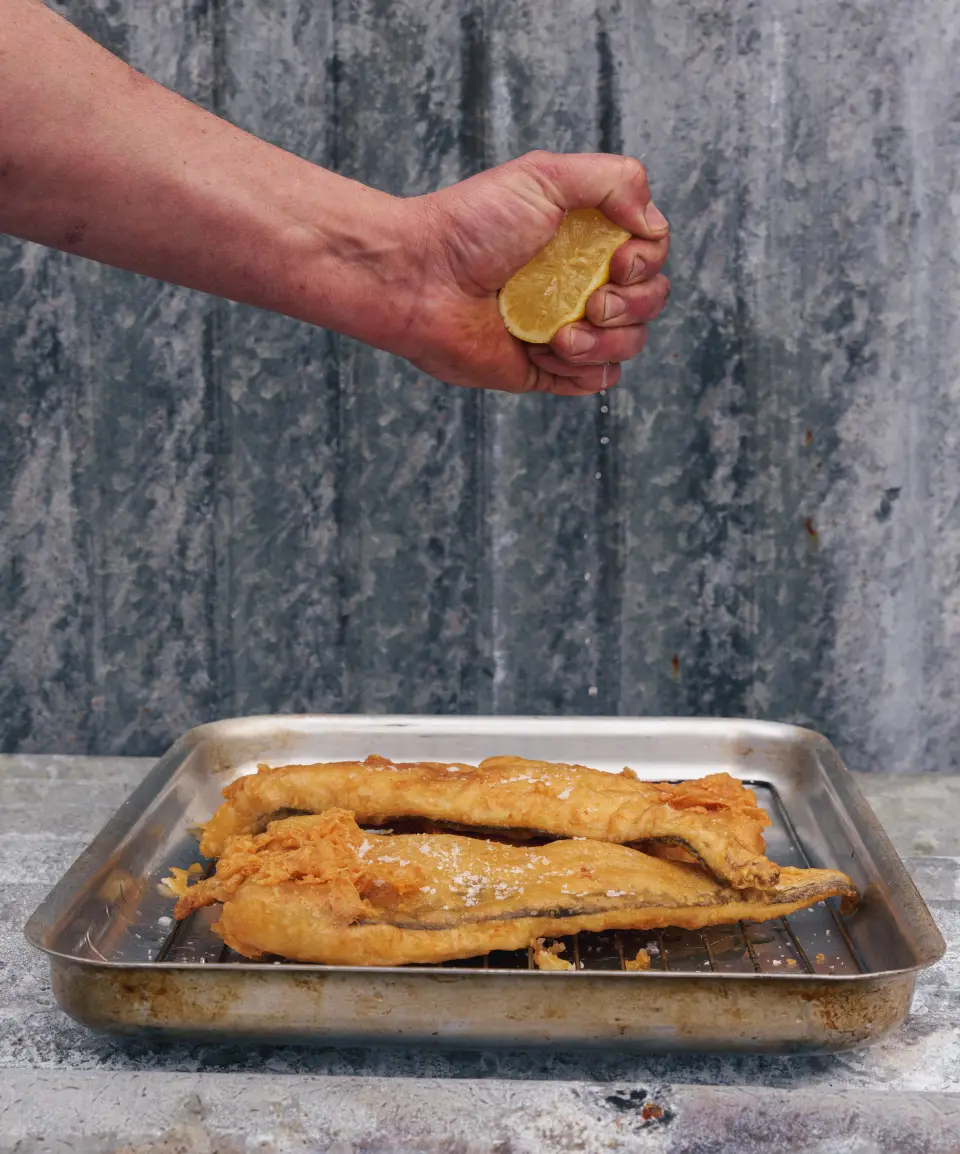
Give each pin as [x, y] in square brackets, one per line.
[64, 1089]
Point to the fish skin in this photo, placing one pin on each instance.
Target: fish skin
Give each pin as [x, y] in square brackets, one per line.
[716, 819]
[321, 889]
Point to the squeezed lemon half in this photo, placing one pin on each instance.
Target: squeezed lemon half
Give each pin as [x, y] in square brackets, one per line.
[553, 289]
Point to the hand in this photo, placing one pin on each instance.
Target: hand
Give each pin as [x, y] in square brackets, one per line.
[474, 236]
[93, 146]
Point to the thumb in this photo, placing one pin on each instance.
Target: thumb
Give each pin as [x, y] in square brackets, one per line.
[617, 185]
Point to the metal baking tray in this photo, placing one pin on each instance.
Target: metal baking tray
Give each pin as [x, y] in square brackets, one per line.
[816, 982]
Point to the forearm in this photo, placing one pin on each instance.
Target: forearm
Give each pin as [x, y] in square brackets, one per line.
[98, 160]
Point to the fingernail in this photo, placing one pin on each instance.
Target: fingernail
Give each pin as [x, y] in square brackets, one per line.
[581, 341]
[613, 306]
[655, 219]
[637, 265]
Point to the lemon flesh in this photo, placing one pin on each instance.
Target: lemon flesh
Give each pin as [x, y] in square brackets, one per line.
[553, 289]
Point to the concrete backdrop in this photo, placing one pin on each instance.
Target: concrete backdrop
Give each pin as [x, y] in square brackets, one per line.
[206, 510]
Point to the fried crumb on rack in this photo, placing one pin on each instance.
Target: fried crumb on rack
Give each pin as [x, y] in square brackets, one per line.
[545, 957]
[179, 881]
[640, 962]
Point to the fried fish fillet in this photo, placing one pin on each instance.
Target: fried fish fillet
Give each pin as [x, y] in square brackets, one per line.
[716, 818]
[321, 889]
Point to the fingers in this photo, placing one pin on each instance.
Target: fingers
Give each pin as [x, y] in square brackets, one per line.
[548, 375]
[585, 344]
[469, 346]
[613, 306]
[583, 376]
[639, 260]
[617, 185]
[499, 361]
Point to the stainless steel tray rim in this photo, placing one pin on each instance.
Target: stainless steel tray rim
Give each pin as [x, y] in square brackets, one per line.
[435, 972]
[507, 724]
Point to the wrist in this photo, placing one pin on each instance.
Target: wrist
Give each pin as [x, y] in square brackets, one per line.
[356, 263]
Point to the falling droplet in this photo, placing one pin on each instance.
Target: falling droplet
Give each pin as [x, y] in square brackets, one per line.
[604, 440]
[604, 409]
[592, 690]
[598, 475]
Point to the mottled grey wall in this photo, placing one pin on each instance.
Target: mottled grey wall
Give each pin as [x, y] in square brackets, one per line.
[206, 510]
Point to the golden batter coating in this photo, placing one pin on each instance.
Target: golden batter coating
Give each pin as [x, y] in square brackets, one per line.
[321, 889]
[716, 818]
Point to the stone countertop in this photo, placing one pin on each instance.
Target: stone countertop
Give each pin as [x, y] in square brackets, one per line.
[62, 1088]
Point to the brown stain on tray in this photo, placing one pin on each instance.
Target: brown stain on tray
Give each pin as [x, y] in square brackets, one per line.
[859, 1011]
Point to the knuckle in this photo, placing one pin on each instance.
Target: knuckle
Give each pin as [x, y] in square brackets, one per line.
[596, 306]
[633, 342]
[633, 170]
[538, 159]
[562, 343]
[544, 169]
